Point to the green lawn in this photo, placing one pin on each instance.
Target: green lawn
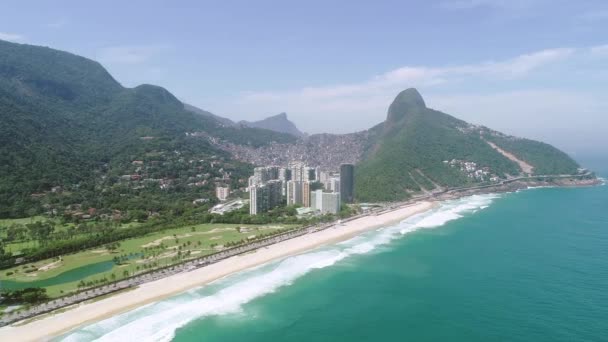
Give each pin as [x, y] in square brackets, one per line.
[8, 222]
[197, 240]
[17, 246]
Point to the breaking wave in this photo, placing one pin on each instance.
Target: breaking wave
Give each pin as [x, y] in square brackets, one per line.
[159, 321]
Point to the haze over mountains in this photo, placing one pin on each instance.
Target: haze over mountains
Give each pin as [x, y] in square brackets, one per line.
[278, 123]
[65, 119]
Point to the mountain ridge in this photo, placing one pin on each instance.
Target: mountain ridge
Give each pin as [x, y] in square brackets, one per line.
[417, 145]
[278, 123]
[221, 119]
[66, 120]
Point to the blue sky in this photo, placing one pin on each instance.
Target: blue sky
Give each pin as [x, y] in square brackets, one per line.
[534, 68]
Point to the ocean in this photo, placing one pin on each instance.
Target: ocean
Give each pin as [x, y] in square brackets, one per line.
[525, 266]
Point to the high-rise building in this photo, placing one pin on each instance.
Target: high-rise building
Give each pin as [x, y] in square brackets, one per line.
[325, 202]
[284, 174]
[294, 192]
[297, 171]
[253, 199]
[302, 173]
[334, 185]
[262, 175]
[306, 194]
[298, 193]
[259, 176]
[310, 174]
[275, 188]
[264, 197]
[324, 177]
[347, 183]
[222, 192]
[273, 172]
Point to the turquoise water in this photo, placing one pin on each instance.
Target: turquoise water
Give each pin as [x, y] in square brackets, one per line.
[65, 277]
[526, 266]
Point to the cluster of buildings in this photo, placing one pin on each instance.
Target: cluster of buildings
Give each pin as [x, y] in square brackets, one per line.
[328, 151]
[298, 184]
[472, 170]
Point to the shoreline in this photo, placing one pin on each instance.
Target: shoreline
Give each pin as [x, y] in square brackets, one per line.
[52, 325]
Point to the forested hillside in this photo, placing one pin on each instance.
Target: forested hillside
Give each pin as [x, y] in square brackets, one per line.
[65, 121]
[72, 135]
[546, 159]
[418, 148]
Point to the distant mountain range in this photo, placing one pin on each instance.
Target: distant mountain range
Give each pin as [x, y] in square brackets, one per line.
[65, 119]
[278, 123]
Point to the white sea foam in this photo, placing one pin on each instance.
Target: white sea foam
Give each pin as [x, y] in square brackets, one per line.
[159, 321]
[452, 210]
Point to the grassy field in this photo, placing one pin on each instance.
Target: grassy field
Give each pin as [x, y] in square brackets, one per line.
[160, 249]
[16, 246]
[8, 222]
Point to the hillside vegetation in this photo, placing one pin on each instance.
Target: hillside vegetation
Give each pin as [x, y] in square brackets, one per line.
[546, 159]
[415, 139]
[66, 120]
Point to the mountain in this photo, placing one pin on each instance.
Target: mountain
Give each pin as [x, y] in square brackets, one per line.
[222, 120]
[66, 120]
[278, 123]
[421, 149]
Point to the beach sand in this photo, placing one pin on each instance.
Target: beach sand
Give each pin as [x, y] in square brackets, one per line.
[52, 325]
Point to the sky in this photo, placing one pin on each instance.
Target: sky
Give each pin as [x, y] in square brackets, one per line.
[532, 68]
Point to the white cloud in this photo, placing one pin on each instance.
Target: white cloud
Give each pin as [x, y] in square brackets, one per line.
[524, 64]
[500, 4]
[350, 107]
[568, 118]
[12, 37]
[516, 67]
[600, 50]
[357, 100]
[129, 54]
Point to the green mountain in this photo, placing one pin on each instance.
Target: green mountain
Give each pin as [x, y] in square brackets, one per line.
[205, 113]
[418, 148]
[65, 120]
[277, 123]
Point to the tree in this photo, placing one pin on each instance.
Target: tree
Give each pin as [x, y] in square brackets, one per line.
[31, 295]
[112, 247]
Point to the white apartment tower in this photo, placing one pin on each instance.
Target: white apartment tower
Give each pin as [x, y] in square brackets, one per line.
[222, 192]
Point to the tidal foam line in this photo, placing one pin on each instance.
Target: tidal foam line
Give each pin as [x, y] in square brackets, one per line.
[159, 321]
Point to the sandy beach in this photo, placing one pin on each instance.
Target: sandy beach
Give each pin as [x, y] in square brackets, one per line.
[52, 325]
